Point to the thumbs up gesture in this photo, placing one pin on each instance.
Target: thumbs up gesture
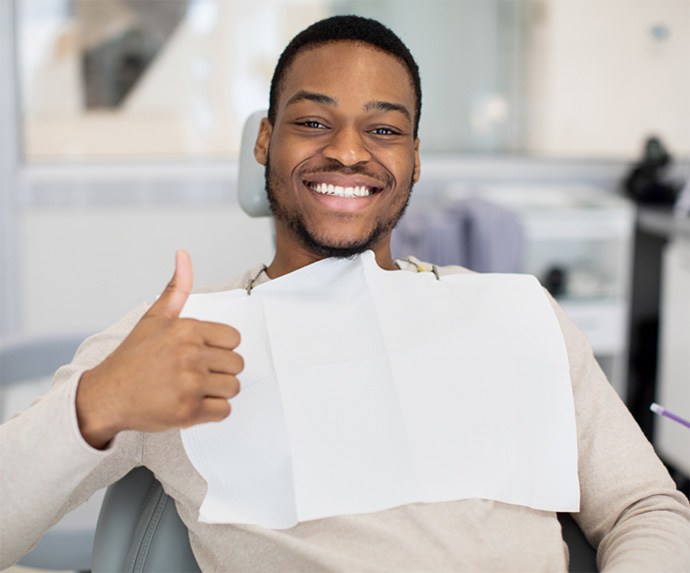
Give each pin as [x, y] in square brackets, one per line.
[169, 372]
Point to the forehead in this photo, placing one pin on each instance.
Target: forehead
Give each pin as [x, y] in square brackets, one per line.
[350, 70]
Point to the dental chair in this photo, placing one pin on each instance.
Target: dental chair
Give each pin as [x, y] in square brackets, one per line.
[139, 529]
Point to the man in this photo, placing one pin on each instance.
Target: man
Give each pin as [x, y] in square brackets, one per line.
[341, 153]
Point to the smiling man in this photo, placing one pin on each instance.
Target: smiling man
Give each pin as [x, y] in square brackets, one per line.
[340, 147]
[341, 153]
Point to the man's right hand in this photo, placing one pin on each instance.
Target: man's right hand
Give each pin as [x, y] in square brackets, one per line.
[170, 372]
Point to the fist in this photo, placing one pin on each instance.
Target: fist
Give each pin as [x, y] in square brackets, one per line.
[169, 372]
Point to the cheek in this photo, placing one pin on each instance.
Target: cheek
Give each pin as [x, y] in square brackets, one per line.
[399, 158]
[402, 168]
[287, 163]
[292, 149]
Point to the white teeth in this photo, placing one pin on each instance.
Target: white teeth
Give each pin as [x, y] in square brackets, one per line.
[328, 189]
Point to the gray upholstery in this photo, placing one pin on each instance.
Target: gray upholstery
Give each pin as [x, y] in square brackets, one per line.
[139, 529]
[250, 177]
[583, 557]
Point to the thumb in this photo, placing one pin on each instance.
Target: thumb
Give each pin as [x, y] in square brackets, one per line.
[173, 298]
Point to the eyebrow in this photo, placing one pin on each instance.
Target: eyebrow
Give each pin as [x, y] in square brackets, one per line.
[311, 96]
[376, 105]
[388, 106]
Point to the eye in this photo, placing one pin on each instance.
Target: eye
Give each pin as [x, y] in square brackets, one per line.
[384, 131]
[311, 124]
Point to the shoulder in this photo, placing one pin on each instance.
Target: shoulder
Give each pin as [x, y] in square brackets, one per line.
[413, 264]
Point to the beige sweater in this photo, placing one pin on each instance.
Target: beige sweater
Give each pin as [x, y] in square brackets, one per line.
[630, 508]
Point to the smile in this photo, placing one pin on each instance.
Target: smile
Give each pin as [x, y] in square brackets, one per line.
[338, 191]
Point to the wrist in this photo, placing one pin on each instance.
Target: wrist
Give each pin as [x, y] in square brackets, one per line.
[95, 414]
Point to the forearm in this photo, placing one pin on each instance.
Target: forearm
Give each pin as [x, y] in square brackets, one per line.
[47, 466]
[45, 470]
[630, 507]
[651, 535]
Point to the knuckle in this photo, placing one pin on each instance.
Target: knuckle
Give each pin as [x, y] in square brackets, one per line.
[239, 363]
[193, 381]
[233, 336]
[186, 327]
[190, 356]
[222, 410]
[227, 409]
[187, 410]
[235, 387]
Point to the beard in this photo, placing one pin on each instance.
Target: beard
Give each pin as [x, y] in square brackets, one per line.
[319, 245]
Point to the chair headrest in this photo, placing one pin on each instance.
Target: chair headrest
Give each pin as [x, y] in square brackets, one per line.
[251, 187]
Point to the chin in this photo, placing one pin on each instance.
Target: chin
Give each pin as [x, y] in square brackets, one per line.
[338, 247]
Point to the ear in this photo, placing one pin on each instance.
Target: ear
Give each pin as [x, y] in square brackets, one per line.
[263, 139]
[417, 163]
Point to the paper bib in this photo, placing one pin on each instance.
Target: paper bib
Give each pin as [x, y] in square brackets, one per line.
[367, 389]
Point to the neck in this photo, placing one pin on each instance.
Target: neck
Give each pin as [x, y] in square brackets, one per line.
[287, 260]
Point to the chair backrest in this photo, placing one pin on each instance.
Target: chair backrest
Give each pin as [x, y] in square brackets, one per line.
[251, 186]
[139, 529]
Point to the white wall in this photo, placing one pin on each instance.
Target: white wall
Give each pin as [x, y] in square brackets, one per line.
[83, 268]
[601, 80]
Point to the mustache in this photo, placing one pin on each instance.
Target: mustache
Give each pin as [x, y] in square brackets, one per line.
[357, 169]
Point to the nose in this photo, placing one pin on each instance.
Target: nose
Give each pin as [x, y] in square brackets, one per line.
[347, 146]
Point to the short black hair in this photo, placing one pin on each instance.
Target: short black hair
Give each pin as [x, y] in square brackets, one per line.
[353, 29]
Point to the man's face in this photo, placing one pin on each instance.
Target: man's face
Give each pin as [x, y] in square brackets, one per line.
[341, 157]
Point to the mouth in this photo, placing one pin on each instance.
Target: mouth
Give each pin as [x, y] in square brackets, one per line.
[342, 191]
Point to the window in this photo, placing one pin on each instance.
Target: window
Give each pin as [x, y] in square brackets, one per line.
[142, 80]
[152, 80]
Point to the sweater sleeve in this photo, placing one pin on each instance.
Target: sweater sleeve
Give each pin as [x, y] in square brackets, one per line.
[47, 466]
[630, 508]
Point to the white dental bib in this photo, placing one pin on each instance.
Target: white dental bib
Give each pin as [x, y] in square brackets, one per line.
[367, 389]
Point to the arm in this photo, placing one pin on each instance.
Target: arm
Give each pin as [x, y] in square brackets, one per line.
[630, 508]
[47, 466]
[148, 373]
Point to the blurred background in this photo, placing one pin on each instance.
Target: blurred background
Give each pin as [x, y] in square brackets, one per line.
[555, 140]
